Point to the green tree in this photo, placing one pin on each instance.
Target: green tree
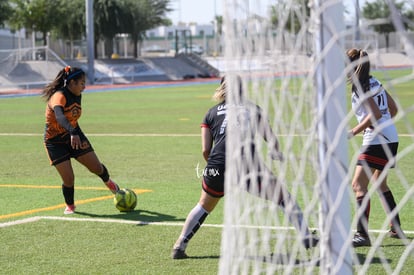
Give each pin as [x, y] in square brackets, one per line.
[408, 19]
[379, 14]
[5, 11]
[19, 13]
[291, 16]
[72, 26]
[39, 16]
[219, 22]
[66, 19]
[108, 16]
[142, 15]
[35, 15]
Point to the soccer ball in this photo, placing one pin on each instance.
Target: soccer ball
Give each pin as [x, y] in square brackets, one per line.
[125, 200]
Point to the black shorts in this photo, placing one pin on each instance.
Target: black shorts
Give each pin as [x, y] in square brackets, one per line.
[60, 150]
[378, 156]
[213, 181]
[250, 178]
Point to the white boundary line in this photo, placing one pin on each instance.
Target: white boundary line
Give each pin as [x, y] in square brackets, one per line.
[55, 218]
[138, 135]
[107, 135]
[22, 221]
[121, 221]
[38, 218]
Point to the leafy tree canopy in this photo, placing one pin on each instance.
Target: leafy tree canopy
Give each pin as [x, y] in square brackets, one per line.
[380, 14]
[5, 11]
[67, 20]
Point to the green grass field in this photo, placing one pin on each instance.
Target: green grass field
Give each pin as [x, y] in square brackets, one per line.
[149, 140]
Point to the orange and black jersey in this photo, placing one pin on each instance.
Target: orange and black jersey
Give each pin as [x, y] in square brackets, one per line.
[57, 124]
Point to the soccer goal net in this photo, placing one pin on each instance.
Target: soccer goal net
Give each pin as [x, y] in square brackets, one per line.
[289, 58]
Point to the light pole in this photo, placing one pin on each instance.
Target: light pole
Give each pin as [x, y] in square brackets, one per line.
[357, 31]
[90, 51]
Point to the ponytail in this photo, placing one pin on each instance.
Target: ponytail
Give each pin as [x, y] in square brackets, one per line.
[65, 75]
[361, 68]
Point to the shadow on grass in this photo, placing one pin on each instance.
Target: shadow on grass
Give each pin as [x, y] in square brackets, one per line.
[390, 243]
[202, 257]
[376, 260]
[284, 259]
[141, 216]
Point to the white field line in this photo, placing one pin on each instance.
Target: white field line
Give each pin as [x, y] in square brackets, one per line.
[22, 221]
[55, 218]
[142, 135]
[106, 135]
[38, 218]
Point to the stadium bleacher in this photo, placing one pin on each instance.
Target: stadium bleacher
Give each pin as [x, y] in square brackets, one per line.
[26, 69]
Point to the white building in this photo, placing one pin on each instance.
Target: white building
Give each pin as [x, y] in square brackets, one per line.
[169, 31]
[10, 40]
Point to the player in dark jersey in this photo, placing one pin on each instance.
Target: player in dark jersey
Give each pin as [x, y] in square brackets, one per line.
[213, 140]
[63, 138]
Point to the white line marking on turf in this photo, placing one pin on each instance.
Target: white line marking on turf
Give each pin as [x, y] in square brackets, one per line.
[109, 221]
[141, 135]
[38, 218]
[23, 221]
[107, 135]
[55, 218]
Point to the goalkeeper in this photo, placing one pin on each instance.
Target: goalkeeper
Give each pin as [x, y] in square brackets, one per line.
[213, 139]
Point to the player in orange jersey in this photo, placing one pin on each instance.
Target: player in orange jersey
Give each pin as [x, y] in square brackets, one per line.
[64, 138]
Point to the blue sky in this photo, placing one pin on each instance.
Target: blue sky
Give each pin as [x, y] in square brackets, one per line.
[203, 11]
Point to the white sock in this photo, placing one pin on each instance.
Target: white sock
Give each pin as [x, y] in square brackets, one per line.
[192, 223]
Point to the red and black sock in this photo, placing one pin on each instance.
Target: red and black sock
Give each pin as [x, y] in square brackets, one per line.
[362, 226]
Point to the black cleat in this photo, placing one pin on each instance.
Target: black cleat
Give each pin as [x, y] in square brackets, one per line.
[310, 241]
[178, 254]
[360, 240]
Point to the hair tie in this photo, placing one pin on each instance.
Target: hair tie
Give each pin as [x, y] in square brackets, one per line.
[67, 69]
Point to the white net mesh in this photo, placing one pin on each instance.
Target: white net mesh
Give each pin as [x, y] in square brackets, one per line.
[295, 68]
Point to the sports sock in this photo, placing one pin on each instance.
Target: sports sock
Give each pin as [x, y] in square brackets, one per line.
[389, 205]
[105, 175]
[362, 225]
[68, 194]
[192, 223]
[112, 186]
[295, 215]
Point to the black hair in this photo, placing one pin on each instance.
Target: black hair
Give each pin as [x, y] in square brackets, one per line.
[63, 77]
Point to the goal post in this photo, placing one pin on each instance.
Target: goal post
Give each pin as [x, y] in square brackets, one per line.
[335, 229]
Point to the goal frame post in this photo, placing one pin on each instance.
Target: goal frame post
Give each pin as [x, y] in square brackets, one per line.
[334, 222]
